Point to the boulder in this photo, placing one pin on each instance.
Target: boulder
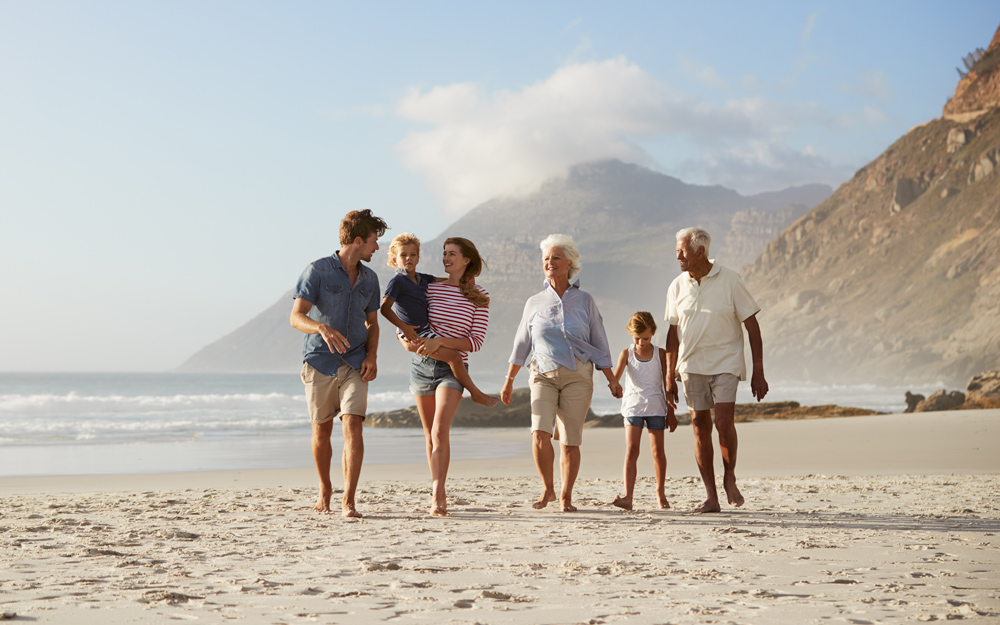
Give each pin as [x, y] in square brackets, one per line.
[982, 168]
[912, 401]
[985, 386]
[941, 400]
[907, 190]
[956, 140]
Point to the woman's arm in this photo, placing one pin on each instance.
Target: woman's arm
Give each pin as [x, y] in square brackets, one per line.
[508, 384]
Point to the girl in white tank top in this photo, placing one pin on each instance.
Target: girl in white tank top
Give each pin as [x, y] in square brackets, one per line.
[644, 404]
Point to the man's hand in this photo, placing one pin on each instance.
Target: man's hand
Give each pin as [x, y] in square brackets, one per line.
[671, 418]
[336, 341]
[758, 385]
[616, 389]
[368, 368]
[672, 396]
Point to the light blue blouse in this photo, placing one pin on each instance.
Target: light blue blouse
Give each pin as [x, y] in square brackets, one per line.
[557, 331]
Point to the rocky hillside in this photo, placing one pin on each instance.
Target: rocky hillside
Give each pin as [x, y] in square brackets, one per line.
[896, 277]
[623, 218]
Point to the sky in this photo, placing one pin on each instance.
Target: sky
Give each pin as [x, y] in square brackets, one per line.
[168, 168]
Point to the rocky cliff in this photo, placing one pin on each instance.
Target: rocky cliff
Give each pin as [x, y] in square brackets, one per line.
[896, 277]
[623, 218]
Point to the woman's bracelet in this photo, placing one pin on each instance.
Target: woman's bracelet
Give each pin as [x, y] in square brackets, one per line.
[509, 377]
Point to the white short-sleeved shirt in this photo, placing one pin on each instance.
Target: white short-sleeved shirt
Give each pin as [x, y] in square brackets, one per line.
[708, 317]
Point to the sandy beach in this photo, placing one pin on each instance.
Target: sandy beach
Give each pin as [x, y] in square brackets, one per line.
[891, 518]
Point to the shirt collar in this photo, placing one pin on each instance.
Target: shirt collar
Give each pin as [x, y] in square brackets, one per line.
[714, 271]
[572, 285]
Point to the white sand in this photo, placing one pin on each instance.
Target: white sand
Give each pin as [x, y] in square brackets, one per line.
[860, 520]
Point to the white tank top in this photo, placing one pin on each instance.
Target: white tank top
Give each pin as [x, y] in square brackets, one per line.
[643, 386]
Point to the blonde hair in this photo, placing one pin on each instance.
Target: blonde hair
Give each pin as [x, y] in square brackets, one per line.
[399, 241]
[565, 243]
[467, 283]
[640, 322]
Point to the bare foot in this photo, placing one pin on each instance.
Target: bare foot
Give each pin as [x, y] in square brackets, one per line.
[323, 500]
[544, 500]
[567, 506]
[485, 400]
[735, 497]
[439, 511]
[708, 506]
[349, 512]
[621, 502]
[664, 504]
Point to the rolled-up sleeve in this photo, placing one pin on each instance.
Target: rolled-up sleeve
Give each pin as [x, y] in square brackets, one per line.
[307, 288]
[598, 336]
[522, 339]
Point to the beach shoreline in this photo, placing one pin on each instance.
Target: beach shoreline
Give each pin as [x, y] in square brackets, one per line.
[860, 519]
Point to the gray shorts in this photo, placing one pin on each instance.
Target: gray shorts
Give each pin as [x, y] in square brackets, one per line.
[427, 374]
[702, 392]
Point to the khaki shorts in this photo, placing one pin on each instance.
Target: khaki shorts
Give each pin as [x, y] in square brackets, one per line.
[702, 392]
[562, 396]
[330, 396]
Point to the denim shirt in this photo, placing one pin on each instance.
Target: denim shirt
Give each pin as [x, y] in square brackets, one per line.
[560, 330]
[326, 285]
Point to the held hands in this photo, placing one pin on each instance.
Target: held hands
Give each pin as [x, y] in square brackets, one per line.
[671, 418]
[616, 389]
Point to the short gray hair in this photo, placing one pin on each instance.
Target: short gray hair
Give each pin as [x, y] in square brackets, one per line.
[565, 242]
[698, 237]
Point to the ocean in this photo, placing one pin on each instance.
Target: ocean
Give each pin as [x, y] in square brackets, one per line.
[105, 423]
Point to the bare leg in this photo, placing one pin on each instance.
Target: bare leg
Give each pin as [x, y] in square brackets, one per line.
[545, 458]
[704, 455]
[725, 423]
[659, 466]
[633, 435]
[354, 454]
[322, 456]
[436, 415]
[569, 465]
[454, 360]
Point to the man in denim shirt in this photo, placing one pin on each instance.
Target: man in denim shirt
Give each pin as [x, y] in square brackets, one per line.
[336, 306]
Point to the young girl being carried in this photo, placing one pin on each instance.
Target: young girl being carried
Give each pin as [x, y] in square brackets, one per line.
[405, 306]
[644, 403]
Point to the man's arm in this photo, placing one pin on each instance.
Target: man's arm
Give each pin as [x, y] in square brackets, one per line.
[670, 371]
[758, 385]
[301, 321]
[368, 368]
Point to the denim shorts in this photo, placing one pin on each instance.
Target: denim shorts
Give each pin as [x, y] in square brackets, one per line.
[427, 374]
[651, 423]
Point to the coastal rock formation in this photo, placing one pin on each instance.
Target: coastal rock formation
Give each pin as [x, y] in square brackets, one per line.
[623, 218]
[941, 400]
[984, 387]
[896, 277]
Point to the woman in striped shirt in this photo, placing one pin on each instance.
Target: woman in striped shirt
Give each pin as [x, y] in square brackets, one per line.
[458, 312]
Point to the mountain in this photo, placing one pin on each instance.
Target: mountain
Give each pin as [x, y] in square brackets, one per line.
[623, 218]
[896, 277]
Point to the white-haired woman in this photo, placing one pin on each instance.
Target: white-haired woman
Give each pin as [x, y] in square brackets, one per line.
[562, 330]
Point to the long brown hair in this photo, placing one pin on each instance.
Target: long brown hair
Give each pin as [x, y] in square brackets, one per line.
[467, 283]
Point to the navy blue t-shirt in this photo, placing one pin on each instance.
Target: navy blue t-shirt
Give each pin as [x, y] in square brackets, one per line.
[410, 299]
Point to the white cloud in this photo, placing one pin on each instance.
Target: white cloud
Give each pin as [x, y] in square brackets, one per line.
[809, 27]
[480, 145]
[757, 166]
[702, 72]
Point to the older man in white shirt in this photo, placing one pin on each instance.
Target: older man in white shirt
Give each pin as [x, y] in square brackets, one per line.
[706, 306]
